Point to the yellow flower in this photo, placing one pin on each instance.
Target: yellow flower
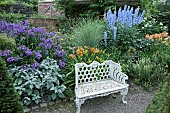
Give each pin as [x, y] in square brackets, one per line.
[97, 58]
[89, 61]
[86, 52]
[72, 56]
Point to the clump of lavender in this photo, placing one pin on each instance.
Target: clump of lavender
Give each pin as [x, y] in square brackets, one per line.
[125, 17]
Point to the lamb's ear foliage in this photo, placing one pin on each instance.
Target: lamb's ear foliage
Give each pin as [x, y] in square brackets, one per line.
[9, 99]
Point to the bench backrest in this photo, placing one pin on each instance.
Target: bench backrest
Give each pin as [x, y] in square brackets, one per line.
[96, 72]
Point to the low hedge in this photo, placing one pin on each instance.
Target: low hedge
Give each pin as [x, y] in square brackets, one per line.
[9, 99]
[161, 100]
[12, 17]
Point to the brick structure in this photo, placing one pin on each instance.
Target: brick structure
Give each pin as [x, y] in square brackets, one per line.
[48, 8]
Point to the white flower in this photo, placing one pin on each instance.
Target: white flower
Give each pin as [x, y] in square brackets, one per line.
[161, 23]
[165, 27]
[143, 27]
[150, 25]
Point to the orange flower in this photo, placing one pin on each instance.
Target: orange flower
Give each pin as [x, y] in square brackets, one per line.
[80, 51]
[96, 51]
[148, 37]
[72, 56]
[159, 37]
[92, 49]
[164, 34]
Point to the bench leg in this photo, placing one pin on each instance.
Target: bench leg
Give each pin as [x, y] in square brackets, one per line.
[78, 104]
[124, 93]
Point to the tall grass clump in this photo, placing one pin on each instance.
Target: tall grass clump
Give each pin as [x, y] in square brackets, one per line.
[88, 33]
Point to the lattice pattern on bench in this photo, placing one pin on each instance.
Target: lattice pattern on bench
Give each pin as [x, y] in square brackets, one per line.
[99, 80]
[91, 73]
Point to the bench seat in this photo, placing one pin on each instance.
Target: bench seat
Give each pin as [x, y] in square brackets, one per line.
[91, 89]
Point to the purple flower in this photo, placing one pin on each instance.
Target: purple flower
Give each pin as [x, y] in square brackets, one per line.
[12, 59]
[59, 53]
[24, 67]
[62, 63]
[23, 48]
[5, 53]
[46, 43]
[52, 34]
[31, 33]
[42, 39]
[57, 46]
[35, 65]
[42, 44]
[28, 52]
[58, 37]
[26, 23]
[38, 55]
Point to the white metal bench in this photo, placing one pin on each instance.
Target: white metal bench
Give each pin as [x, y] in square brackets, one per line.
[99, 80]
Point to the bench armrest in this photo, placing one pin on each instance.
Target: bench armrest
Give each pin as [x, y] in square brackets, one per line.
[120, 77]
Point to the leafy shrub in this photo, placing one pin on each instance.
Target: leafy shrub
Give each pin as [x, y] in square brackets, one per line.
[88, 33]
[164, 18]
[161, 101]
[17, 7]
[147, 72]
[11, 17]
[9, 99]
[36, 84]
[149, 5]
[150, 26]
[7, 43]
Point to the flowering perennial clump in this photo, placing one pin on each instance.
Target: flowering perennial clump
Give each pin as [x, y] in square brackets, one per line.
[125, 18]
[33, 44]
[87, 55]
[161, 36]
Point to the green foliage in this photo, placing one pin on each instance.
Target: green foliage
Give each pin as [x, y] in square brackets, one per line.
[9, 99]
[35, 84]
[88, 33]
[98, 7]
[11, 17]
[126, 37]
[161, 101]
[164, 18]
[147, 71]
[7, 43]
[150, 26]
[95, 9]
[149, 5]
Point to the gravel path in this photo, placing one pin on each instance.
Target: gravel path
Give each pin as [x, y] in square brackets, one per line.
[137, 100]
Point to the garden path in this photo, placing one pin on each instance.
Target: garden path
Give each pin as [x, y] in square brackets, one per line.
[138, 99]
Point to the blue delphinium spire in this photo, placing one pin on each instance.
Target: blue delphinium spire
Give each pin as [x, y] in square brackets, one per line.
[125, 17]
[105, 38]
